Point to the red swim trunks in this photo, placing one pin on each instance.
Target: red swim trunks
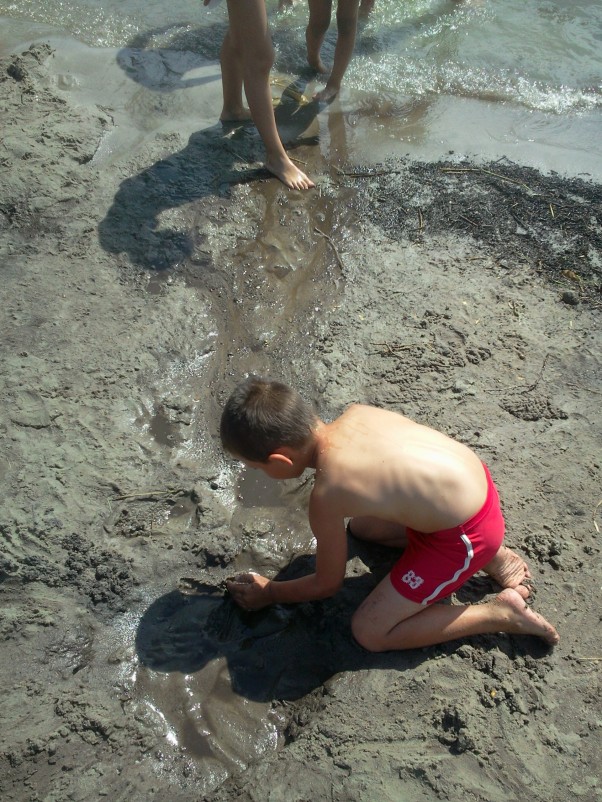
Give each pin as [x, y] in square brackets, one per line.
[435, 564]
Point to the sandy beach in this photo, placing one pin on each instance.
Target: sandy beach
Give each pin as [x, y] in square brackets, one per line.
[144, 274]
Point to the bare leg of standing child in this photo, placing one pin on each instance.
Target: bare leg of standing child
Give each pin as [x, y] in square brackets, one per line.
[319, 20]
[233, 109]
[246, 58]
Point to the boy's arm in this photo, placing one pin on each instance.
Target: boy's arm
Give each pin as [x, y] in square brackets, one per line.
[331, 562]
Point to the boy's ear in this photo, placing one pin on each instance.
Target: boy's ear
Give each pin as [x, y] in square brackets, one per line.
[278, 457]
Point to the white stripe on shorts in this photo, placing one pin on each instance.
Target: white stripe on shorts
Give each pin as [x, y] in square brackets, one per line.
[467, 561]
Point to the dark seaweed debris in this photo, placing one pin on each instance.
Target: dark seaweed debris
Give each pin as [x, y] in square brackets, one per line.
[550, 222]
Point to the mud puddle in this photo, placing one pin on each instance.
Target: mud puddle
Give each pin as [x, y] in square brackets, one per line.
[203, 676]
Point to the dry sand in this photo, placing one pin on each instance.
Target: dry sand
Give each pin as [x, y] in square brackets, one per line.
[136, 291]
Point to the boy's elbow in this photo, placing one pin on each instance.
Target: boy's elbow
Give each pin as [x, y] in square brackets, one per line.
[329, 588]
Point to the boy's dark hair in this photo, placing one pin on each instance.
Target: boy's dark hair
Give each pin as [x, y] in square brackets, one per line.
[261, 416]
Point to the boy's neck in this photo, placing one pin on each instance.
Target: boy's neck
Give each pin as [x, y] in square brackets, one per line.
[317, 445]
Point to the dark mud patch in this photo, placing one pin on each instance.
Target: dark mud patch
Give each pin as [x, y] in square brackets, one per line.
[519, 214]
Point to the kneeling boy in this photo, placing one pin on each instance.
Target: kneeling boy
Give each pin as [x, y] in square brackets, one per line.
[400, 484]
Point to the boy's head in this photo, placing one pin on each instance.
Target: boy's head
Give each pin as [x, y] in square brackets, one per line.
[262, 416]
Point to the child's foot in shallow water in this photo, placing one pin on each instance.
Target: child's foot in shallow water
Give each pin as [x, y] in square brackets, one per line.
[288, 173]
[314, 59]
[317, 65]
[326, 95]
[241, 115]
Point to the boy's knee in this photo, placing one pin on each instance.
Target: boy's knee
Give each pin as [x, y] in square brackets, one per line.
[364, 636]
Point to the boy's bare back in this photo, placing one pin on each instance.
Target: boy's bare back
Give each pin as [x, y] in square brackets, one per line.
[372, 462]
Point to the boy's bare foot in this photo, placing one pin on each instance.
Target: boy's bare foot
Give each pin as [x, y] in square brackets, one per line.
[235, 115]
[326, 95]
[285, 170]
[507, 568]
[317, 64]
[524, 620]
[522, 591]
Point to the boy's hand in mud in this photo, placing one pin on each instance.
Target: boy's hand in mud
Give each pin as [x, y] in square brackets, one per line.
[250, 591]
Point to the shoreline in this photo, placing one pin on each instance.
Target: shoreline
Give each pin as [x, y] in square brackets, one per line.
[143, 83]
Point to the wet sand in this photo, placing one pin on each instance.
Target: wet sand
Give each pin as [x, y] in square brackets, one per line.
[143, 275]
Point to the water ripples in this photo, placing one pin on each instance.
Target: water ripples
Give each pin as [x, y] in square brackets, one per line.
[544, 56]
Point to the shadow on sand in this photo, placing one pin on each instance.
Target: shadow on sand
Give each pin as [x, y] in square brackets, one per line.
[282, 652]
[287, 651]
[206, 167]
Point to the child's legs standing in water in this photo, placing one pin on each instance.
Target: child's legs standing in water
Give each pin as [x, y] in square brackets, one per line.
[246, 58]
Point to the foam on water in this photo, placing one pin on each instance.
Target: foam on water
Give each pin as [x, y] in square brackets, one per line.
[105, 24]
[398, 75]
[478, 77]
[543, 55]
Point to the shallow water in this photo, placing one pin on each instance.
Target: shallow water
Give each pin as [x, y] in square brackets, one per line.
[516, 79]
